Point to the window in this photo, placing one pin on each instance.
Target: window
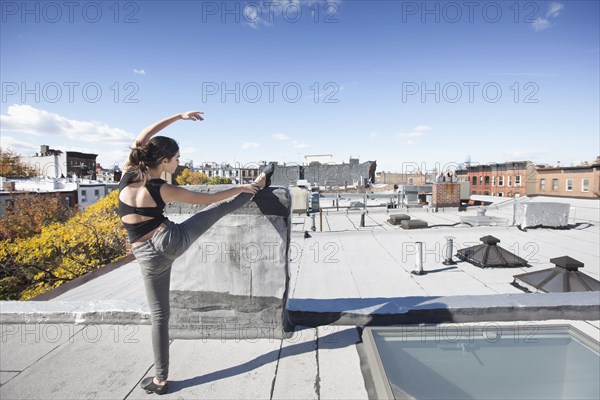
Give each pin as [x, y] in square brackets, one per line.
[500, 194]
[493, 193]
[508, 180]
[474, 192]
[569, 185]
[554, 184]
[97, 194]
[493, 181]
[542, 184]
[585, 185]
[500, 180]
[518, 181]
[487, 180]
[486, 193]
[83, 196]
[474, 180]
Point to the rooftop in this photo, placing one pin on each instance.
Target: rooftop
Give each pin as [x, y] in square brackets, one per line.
[344, 269]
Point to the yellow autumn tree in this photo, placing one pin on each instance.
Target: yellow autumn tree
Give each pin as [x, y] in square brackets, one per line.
[189, 177]
[62, 251]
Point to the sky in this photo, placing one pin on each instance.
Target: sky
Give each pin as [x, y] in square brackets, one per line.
[404, 83]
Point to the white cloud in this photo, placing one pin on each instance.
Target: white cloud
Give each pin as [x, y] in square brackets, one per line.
[419, 130]
[541, 24]
[139, 71]
[250, 145]
[20, 147]
[280, 136]
[554, 9]
[32, 121]
[299, 145]
[532, 155]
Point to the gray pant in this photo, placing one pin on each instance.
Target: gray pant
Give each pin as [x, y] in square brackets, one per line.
[156, 256]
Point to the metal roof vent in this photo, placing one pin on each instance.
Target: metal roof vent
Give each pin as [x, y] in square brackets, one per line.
[489, 254]
[564, 277]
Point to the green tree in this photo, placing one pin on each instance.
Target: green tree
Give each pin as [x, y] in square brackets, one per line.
[11, 165]
[189, 177]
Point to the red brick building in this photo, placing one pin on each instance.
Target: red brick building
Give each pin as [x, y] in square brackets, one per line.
[509, 179]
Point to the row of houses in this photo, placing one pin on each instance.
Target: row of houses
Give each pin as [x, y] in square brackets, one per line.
[63, 172]
[524, 178]
[80, 192]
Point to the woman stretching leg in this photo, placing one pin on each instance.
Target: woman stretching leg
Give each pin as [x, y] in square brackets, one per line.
[156, 241]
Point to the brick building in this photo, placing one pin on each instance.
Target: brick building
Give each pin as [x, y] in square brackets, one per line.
[580, 181]
[509, 179]
[401, 178]
[50, 163]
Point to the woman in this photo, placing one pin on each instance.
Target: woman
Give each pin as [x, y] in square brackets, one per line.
[155, 241]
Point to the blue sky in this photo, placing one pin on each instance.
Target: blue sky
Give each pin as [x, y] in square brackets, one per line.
[399, 82]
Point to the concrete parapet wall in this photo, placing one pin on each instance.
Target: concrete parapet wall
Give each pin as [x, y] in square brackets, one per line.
[235, 277]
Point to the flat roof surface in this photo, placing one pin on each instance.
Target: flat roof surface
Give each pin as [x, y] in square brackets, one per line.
[344, 260]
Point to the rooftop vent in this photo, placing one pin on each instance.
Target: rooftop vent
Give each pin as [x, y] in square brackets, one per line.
[489, 254]
[564, 277]
[483, 220]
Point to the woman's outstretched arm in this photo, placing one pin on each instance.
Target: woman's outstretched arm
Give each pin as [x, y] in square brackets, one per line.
[177, 193]
[156, 127]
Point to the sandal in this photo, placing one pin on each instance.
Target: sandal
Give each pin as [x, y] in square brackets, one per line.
[150, 387]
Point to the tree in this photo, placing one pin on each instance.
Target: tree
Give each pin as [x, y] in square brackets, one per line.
[217, 180]
[189, 177]
[62, 251]
[29, 213]
[11, 165]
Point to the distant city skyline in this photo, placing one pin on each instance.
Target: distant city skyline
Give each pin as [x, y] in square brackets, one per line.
[426, 83]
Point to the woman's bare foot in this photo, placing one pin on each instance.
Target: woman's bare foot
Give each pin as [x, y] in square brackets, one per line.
[264, 179]
[261, 180]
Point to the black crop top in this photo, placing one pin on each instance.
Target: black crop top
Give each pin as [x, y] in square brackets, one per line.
[139, 229]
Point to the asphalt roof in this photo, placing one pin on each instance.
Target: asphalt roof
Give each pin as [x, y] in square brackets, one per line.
[363, 265]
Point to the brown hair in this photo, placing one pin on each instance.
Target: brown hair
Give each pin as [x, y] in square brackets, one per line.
[150, 155]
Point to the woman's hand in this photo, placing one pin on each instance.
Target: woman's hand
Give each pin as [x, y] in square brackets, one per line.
[193, 115]
[251, 188]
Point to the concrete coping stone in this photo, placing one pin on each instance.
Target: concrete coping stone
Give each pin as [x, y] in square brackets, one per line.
[383, 305]
[432, 309]
[99, 312]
